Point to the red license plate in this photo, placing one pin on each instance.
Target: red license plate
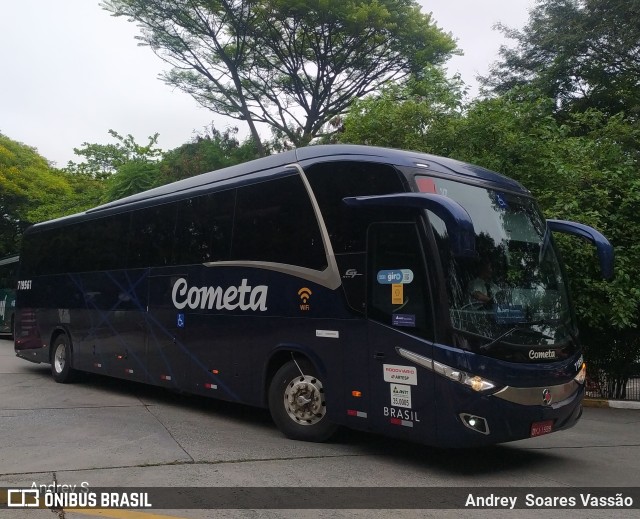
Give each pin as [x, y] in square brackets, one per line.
[540, 428]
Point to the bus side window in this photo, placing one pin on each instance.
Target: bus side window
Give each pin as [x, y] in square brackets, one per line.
[203, 229]
[151, 236]
[275, 222]
[398, 293]
[333, 181]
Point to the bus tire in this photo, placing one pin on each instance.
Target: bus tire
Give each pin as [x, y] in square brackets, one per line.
[297, 403]
[61, 360]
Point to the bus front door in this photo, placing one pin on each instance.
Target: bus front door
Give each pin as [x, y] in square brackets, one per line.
[399, 320]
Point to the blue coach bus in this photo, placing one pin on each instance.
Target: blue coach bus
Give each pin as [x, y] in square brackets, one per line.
[336, 285]
[8, 272]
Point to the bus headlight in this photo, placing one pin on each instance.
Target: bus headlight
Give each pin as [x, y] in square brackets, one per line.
[582, 374]
[475, 382]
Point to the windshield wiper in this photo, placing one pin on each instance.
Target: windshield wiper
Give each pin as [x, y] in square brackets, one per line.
[521, 326]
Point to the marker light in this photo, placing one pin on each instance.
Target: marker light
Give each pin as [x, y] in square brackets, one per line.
[582, 374]
[356, 394]
[479, 384]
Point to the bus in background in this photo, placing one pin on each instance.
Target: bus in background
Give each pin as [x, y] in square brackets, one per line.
[8, 271]
[335, 285]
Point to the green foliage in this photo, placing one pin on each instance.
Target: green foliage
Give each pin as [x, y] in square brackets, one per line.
[134, 176]
[581, 53]
[30, 191]
[102, 160]
[291, 65]
[112, 171]
[88, 191]
[410, 116]
[211, 151]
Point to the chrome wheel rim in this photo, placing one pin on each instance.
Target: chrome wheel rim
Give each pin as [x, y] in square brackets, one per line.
[60, 358]
[304, 400]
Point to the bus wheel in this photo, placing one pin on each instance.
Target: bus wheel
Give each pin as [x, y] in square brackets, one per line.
[297, 403]
[61, 360]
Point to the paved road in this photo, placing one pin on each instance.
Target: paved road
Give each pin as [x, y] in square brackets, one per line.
[113, 433]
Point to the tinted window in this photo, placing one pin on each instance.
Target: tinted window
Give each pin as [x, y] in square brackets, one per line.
[203, 231]
[30, 255]
[333, 181]
[46, 251]
[91, 245]
[398, 288]
[275, 222]
[152, 234]
[8, 275]
[111, 242]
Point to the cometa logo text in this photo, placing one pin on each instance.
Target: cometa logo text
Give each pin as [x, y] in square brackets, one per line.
[549, 354]
[244, 297]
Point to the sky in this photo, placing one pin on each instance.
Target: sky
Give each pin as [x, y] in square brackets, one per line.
[70, 72]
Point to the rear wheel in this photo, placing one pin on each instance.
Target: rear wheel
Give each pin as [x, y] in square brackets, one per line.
[297, 403]
[61, 360]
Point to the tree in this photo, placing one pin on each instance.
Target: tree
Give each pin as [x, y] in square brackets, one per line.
[103, 160]
[134, 176]
[116, 170]
[30, 191]
[290, 64]
[581, 53]
[208, 152]
[407, 116]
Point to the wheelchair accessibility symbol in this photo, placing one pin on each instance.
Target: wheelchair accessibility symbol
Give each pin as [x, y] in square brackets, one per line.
[180, 322]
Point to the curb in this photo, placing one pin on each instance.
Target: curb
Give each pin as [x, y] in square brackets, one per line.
[617, 404]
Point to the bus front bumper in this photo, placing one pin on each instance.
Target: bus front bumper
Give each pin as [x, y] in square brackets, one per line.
[515, 414]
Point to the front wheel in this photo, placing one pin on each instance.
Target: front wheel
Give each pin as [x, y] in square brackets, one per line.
[297, 403]
[61, 360]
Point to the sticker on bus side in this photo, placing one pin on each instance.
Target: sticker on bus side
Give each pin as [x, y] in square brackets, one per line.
[397, 294]
[403, 320]
[24, 284]
[400, 395]
[393, 277]
[328, 334]
[400, 374]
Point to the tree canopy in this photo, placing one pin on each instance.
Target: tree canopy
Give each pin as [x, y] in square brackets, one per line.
[209, 151]
[30, 191]
[582, 53]
[102, 160]
[290, 64]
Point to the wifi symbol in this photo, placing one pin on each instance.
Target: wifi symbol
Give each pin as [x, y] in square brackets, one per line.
[305, 294]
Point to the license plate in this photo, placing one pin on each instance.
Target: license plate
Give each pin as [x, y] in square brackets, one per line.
[540, 428]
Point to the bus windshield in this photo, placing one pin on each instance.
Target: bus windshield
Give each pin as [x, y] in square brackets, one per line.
[513, 293]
